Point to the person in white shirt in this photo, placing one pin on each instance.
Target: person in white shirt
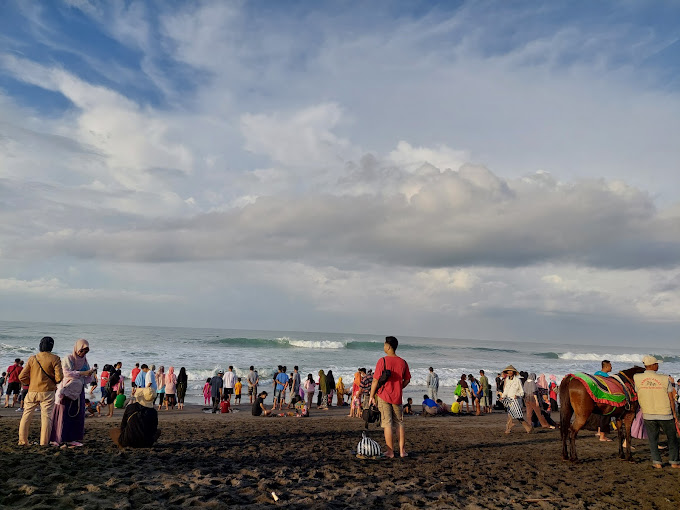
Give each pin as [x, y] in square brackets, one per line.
[229, 382]
[512, 397]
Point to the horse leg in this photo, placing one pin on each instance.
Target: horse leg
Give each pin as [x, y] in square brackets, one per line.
[628, 421]
[578, 424]
[620, 435]
[566, 412]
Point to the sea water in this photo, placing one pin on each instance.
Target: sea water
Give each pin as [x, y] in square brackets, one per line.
[204, 351]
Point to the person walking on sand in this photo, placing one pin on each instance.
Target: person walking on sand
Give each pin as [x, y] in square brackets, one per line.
[655, 396]
[42, 373]
[485, 401]
[389, 394]
[532, 403]
[432, 384]
[511, 396]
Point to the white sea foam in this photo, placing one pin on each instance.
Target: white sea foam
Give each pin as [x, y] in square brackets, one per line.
[592, 356]
[312, 344]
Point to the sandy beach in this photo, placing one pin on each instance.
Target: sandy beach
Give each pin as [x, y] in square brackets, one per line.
[207, 460]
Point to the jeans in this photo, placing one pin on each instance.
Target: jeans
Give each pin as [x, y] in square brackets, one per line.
[668, 426]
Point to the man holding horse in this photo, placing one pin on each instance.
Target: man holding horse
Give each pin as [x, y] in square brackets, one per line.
[655, 396]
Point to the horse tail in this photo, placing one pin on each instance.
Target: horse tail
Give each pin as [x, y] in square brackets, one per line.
[566, 410]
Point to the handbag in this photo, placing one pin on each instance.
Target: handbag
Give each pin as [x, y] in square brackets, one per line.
[72, 389]
[384, 376]
[371, 415]
[637, 429]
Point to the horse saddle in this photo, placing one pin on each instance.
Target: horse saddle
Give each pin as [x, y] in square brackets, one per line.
[612, 390]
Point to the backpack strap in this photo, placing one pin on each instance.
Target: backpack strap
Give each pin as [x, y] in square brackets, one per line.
[41, 368]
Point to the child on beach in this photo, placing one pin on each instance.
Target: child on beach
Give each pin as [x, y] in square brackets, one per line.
[407, 406]
[206, 392]
[120, 401]
[2, 383]
[225, 406]
[237, 391]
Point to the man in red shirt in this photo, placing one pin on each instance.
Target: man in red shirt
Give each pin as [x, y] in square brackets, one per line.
[13, 383]
[133, 376]
[389, 395]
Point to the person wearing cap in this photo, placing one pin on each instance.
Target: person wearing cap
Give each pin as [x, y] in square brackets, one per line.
[655, 396]
[216, 384]
[139, 426]
[511, 396]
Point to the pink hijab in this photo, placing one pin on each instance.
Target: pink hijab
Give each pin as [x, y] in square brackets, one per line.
[78, 362]
[170, 378]
[542, 382]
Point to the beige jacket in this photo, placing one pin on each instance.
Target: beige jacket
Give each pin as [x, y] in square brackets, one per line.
[36, 378]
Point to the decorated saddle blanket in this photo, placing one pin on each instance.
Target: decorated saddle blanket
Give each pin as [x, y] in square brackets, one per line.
[606, 390]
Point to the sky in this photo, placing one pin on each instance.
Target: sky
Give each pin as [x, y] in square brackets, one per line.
[484, 170]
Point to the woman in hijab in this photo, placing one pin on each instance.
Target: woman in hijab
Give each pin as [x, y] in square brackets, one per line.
[330, 386]
[160, 384]
[323, 390]
[42, 373]
[170, 388]
[511, 396]
[532, 402]
[182, 382]
[552, 392]
[542, 384]
[69, 410]
[340, 388]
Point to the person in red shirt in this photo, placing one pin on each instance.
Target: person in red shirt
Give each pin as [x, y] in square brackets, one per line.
[13, 383]
[389, 395]
[133, 376]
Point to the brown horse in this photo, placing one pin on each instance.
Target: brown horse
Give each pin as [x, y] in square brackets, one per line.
[575, 401]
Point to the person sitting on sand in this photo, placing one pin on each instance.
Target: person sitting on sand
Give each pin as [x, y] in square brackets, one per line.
[429, 406]
[91, 409]
[258, 406]
[119, 402]
[408, 406]
[139, 426]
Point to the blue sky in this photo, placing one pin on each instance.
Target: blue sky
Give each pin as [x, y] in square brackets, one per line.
[501, 170]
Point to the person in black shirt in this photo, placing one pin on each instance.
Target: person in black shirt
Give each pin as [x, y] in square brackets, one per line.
[258, 406]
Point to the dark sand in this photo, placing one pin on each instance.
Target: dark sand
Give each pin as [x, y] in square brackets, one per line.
[208, 461]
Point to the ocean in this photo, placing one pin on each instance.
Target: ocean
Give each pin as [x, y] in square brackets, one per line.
[203, 351]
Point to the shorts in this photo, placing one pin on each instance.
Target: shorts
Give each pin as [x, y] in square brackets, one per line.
[390, 414]
[13, 387]
[103, 388]
[93, 384]
[252, 390]
[109, 397]
[134, 385]
[172, 400]
[462, 399]
[228, 391]
[278, 395]
[237, 395]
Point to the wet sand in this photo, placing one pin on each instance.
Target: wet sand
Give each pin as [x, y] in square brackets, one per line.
[207, 460]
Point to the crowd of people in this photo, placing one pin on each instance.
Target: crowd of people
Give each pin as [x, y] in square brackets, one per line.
[58, 387]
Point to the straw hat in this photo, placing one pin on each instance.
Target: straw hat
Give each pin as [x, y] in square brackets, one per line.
[510, 368]
[146, 397]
